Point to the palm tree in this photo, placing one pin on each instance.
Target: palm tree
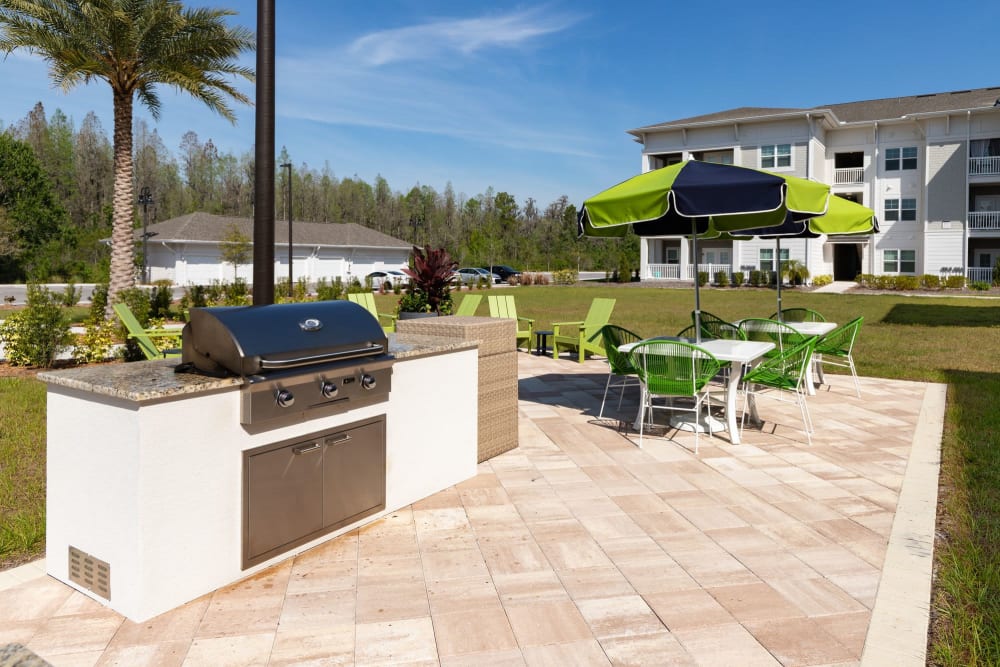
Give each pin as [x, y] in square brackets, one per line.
[133, 45]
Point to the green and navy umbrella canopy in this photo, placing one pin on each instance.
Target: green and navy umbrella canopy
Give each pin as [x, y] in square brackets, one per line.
[702, 196]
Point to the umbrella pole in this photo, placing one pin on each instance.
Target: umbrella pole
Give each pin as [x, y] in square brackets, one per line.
[697, 294]
[777, 242]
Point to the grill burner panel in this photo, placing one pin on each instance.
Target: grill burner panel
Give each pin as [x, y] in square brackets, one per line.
[320, 391]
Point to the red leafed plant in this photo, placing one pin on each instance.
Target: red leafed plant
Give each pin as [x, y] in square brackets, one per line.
[429, 290]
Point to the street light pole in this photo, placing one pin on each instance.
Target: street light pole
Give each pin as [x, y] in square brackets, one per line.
[288, 167]
[145, 198]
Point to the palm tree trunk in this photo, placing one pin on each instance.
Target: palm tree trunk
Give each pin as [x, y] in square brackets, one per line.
[122, 246]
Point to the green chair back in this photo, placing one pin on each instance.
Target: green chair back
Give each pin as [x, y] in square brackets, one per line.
[469, 304]
[502, 305]
[673, 368]
[144, 337]
[714, 326]
[598, 315]
[784, 371]
[798, 315]
[613, 337]
[367, 301]
[583, 335]
[840, 341]
[772, 331]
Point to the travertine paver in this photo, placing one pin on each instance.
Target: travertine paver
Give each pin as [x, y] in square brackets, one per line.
[579, 548]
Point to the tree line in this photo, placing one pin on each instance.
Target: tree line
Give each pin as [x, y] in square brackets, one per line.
[56, 187]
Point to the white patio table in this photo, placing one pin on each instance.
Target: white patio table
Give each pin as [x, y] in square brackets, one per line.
[737, 353]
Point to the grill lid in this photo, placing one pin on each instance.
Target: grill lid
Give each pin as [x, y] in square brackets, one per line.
[247, 340]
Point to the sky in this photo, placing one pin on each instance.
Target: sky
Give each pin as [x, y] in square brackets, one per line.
[535, 99]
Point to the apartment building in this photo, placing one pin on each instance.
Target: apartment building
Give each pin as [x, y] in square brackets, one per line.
[929, 166]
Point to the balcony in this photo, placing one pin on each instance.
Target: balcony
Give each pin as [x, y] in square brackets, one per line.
[849, 176]
[663, 271]
[984, 166]
[984, 220]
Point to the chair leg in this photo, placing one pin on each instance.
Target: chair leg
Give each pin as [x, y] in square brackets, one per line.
[854, 374]
[642, 414]
[607, 385]
[806, 418]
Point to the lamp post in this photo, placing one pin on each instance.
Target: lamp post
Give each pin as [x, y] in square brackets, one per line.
[288, 167]
[145, 198]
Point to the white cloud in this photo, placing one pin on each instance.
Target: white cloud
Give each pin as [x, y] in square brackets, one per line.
[430, 41]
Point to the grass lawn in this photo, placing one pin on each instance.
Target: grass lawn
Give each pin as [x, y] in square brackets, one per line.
[954, 340]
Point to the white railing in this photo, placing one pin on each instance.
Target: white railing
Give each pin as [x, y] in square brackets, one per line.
[984, 220]
[848, 176]
[710, 269]
[976, 273]
[663, 271]
[979, 166]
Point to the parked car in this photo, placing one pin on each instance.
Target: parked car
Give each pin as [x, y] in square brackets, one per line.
[391, 276]
[472, 275]
[505, 272]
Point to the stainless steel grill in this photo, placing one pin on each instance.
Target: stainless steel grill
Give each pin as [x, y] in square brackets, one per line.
[298, 359]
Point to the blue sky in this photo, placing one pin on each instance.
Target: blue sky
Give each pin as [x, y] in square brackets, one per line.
[535, 99]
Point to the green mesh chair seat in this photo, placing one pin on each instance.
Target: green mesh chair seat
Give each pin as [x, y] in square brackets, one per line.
[772, 331]
[798, 315]
[619, 363]
[778, 376]
[836, 349]
[673, 369]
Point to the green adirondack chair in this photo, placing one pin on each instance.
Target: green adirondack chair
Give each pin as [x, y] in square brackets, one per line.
[584, 337]
[469, 304]
[367, 300]
[144, 338]
[502, 305]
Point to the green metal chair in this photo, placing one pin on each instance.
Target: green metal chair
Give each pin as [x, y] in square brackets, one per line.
[469, 304]
[672, 369]
[772, 331]
[836, 348]
[503, 306]
[367, 300]
[713, 326]
[146, 339]
[777, 376]
[798, 315]
[619, 363]
[585, 336]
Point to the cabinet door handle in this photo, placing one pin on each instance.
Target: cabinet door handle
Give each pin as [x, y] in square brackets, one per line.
[337, 439]
[305, 449]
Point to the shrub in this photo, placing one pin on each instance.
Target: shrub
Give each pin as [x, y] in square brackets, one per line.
[71, 295]
[954, 282]
[702, 278]
[236, 293]
[96, 343]
[796, 271]
[907, 282]
[930, 281]
[327, 291]
[825, 279]
[738, 278]
[34, 335]
[979, 285]
[756, 278]
[722, 278]
[160, 300]
[565, 276]
[98, 301]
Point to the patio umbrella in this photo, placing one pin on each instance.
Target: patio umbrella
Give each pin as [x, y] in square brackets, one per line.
[843, 217]
[701, 198]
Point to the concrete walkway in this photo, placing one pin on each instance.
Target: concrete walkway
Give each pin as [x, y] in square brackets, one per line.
[578, 548]
[837, 287]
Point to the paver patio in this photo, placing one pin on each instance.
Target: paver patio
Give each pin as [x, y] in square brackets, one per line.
[578, 548]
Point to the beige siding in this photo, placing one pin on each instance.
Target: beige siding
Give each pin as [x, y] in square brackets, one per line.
[946, 166]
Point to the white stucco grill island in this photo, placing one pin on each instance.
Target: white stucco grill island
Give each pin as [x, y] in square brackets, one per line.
[146, 467]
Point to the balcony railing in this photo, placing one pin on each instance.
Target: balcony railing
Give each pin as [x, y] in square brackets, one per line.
[663, 271]
[985, 220]
[980, 166]
[849, 176]
[979, 274]
[710, 269]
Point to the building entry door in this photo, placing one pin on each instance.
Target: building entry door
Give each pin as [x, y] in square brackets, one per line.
[846, 261]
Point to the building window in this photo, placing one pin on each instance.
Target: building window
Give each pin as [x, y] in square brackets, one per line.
[900, 209]
[899, 261]
[767, 258]
[673, 256]
[776, 156]
[900, 158]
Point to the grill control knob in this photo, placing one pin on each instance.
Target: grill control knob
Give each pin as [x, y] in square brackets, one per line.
[367, 381]
[328, 389]
[284, 398]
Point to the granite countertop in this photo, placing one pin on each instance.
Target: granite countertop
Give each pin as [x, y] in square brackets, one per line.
[143, 381]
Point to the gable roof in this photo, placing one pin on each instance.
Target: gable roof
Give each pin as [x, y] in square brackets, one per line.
[852, 112]
[207, 228]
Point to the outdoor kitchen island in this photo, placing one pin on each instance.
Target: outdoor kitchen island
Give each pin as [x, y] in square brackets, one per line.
[147, 498]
